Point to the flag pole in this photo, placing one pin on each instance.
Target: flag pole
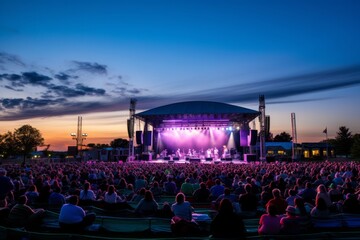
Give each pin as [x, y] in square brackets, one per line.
[327, 144]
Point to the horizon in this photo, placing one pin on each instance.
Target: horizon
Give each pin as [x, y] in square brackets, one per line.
[61, 60]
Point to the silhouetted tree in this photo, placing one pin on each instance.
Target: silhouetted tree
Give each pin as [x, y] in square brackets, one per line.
[119, 143]
[7, 145]
[269, 137]
[343, 141]
[98, 145]
[27, 139]
[355, 149]
[283, 137]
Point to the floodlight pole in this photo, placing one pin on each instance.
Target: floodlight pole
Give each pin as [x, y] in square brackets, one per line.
[130, 123]
[262, 127]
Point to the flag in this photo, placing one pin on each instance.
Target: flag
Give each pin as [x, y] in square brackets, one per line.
[325, 130]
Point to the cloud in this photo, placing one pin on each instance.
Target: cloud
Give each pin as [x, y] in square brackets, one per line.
[275, 90]
[28, 103]
[65, 77]
[89, 67]
[34, 78]
[10, 77]
[14, 89]
[6, 58]
[26, 78]
[90, 91]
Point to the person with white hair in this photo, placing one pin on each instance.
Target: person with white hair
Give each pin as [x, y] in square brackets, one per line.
[6, 188]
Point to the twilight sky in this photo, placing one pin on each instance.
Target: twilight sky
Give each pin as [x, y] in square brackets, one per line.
[63, 59]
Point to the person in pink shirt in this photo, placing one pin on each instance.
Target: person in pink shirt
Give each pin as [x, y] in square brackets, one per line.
[269, 223]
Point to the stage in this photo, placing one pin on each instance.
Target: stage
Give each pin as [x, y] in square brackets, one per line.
[192, 161]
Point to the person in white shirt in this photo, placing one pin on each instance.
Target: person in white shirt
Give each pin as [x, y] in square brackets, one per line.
[87, 194]
[73, 217]
[111, 196]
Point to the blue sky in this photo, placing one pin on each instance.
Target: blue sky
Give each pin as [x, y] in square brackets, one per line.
[61, 59]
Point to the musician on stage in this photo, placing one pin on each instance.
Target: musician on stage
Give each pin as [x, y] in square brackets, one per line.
[225, 151]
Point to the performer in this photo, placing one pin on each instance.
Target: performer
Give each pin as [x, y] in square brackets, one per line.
[216, 153]
[225, 151]
[178, 153]
[189, 153]
[208, 153]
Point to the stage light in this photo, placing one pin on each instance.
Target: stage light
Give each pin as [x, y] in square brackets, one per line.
[230, 128]
[237, 128]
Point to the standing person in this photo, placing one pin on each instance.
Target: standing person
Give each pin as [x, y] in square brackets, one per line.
[226, 223]
[6, 188]
[72, 217]
[269, 223]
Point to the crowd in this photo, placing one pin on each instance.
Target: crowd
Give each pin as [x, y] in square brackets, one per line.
[278, 193]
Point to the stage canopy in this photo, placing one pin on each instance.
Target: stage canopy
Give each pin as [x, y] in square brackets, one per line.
[196, 129]
[197, 114]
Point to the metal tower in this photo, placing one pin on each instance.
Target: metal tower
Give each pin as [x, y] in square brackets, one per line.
[262, 127]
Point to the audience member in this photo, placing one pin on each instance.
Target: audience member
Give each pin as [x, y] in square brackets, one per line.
[147, 206]
[269, 223]
[227, 224]
[182, 208]
[74, 218]
[290, 224]
[21, 215]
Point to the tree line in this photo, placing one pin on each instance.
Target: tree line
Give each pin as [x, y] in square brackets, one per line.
[345, 143]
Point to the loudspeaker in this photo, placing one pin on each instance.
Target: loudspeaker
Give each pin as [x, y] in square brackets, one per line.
[130, 128]
[267, 124]
[167, 158]
[208, 159]
[253, 137]
[249, 157]
[244, 137]
[176, 158]
[147, 138]
[193, 160]
[139, 137]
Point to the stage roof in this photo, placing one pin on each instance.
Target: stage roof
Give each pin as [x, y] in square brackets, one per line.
[201, 113]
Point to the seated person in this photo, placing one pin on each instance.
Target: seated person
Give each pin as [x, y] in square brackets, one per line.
[290, 223]
[182, 208]
[320, 210]
[226, 223]
[269, 222]
[147, 206]
[351, 204]
[111, 195]
[56, 199]
[72, 217]
[202, 194]
[21, 215]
